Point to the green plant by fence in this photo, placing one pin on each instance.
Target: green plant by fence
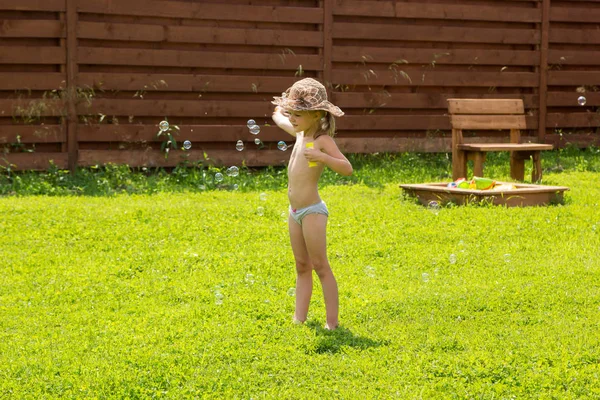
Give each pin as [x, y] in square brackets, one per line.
[85, 82]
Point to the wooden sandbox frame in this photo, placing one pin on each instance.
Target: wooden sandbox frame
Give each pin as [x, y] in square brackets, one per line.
[523, 195]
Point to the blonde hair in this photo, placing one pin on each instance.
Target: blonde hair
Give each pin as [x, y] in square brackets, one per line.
[326, 125]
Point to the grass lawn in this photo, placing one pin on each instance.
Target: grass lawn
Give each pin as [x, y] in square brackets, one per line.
[173, 287]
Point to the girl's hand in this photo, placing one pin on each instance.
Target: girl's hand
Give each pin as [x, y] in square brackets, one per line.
[281, 111]
[313, 155]
[281, 118]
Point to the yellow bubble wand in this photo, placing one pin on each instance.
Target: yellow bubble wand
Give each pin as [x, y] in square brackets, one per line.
[311, 145]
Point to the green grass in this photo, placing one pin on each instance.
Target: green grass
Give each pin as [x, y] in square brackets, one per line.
[145, 287]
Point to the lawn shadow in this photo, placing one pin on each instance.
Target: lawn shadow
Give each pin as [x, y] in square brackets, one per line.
[333, 341]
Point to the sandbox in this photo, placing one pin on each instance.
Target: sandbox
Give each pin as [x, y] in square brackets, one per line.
[523, 195]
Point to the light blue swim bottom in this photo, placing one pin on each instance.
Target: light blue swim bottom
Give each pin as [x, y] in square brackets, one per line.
[299, 214]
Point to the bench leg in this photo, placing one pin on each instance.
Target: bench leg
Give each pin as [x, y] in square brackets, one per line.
[536, 174]
[478, 160]
[459, 165]
[517, 166]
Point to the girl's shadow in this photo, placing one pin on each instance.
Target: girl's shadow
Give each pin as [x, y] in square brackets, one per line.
[333, 341]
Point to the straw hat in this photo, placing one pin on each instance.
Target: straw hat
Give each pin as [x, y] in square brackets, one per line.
[307, 95]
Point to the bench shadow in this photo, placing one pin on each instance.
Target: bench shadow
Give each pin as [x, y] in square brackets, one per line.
[333, 341]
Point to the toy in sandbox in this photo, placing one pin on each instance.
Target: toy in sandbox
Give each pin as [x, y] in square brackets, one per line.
[489, 115]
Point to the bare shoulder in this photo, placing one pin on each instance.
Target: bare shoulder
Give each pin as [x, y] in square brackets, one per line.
[326, 143]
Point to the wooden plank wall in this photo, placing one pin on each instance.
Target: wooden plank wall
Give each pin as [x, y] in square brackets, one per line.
[574, 70]
[396, 63]
[206, 67]
[32, 70]
[85, 82]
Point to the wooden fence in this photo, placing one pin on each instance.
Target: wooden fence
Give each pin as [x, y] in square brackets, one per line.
[85, 82]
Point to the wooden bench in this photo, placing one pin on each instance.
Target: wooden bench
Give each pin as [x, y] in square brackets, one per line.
[492, 114]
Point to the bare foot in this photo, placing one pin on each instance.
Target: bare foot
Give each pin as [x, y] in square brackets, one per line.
[331, 328]
[297, 321]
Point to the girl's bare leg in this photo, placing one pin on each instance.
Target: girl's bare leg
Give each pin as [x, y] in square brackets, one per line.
[314, 227]
[304, 282]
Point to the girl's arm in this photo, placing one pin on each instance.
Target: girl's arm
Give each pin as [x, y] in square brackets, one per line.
[327, 152]
[283, 121]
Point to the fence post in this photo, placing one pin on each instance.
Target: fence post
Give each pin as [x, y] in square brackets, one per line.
[327, 42]
[71, 22]
[543, 92]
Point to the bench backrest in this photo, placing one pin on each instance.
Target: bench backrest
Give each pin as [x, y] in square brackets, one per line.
[487, 114]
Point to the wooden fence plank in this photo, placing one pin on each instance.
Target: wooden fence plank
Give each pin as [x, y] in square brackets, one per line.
[32, 5]
[404, 122]
[13, 28]
[569, 99]
[400, 56]
[156, 158]
[405, 32]
[193, 133]
[573, 57]
[31, 109]
[574, 14]
[394, 144]
[573, 120]
[578, 36]
[193, 34]
[470, 12]
[415, 100]
[34, 161]
[578, 140]
[210, 11]
[393, 122]
[205, 59]
[31, 81]
[32, 55]
[185, 82]
[435, 78]
[177, 108]
[32, 134]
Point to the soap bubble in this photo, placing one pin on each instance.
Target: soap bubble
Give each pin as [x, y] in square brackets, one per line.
[164, 126]
[218, 297]
[282, 146]
[218, 177]
[250, 123]
[291, 292]
[452, 258]
[235, 186]
[233, 171]
[581, 100]
[239, 146]
[255, 129]
[370, 271]
[263, 197]
[260, 211]
[425, 277]
[257, 141]
[187, 145]
[507, 258]
[250, 278]
[434, 207]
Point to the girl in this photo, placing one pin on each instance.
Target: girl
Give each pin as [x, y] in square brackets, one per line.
[304, 112]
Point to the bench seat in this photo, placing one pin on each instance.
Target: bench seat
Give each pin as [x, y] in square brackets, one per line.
[505, 147]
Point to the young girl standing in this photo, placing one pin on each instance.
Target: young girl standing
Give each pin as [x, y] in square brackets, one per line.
[304, 112]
